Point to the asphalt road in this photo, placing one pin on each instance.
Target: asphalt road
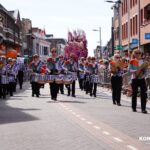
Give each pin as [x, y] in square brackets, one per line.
[81, 123]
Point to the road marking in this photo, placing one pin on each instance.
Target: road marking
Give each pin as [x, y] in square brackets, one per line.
[78, 116]
[106, 133]
[131, 147]
[117, 139]
[73, 113]
[96, 127]
[88, 122]
[83, 119]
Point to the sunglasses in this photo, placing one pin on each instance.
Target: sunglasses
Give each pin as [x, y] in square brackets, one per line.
[53, 51]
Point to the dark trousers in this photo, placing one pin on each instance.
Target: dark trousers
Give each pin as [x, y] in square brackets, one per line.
[54, 90]
[14, 85]
[71, 88]
[20, 78]
[81, 84]
[116, 83]
[3, 90]
[61, 88]
[35, 88]
[143, 89]
[11, 88]
[93, 88]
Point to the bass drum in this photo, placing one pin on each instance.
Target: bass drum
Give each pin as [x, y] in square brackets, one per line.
[59, 79]
[50, 78]
[68, 79]
[42, 79]
[96, 79]
[4, 79]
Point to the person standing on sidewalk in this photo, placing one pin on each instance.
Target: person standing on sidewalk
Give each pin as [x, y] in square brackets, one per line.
[116, 79]
[138, 80]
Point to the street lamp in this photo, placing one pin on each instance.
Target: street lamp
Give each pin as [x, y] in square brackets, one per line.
[100, 40]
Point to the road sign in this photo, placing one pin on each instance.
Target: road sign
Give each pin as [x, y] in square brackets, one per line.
[135, 41]
[147, 36]
[119, 47]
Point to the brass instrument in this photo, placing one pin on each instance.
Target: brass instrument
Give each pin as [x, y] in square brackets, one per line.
[116, 66]
[140, 72]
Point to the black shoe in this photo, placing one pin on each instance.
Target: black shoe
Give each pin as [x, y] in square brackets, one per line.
[114, 103]
[37, 95]
[119, 104]
[73, 96]
[55, 99]
[62, 92]
[4, 97]
[94, 95]
[134, 110]
[144, 111]
[68, 95]
[90, 94]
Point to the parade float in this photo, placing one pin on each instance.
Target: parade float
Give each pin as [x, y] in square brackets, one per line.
[77, 44]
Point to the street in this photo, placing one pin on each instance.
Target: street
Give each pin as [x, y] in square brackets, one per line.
[81, 123]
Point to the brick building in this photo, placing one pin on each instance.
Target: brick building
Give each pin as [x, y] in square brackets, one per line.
[10, 25]
[132, 25]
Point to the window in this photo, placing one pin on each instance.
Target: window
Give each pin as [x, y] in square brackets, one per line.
[45, 50]
[147, 12]
[136, 25]
[131, 29]
[142, 17]
[131, 3]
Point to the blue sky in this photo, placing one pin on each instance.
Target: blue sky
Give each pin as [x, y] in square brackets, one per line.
[59, 16]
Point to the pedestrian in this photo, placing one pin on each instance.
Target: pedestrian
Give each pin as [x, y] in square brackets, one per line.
[116, 79]
[138, 69]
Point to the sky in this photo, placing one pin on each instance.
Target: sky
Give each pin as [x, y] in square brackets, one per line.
[60, 16]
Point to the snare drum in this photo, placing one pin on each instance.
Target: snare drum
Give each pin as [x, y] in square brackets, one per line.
[34, 77]
[50, 78]
[81, 75]
[68, 79]
[4, 79]
[96, 79]
[74, 76]
[59, 79]
[41, 79]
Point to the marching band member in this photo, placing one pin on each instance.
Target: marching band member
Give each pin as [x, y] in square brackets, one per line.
[116, 79]
[138, 80]
[15, 68]
[21, 70]
[35, 65]
[93, 71]
[11, 76]
[81, 73]
[60, 70]
[87, 77]
[72, 68]
[52, 64]
[3, 77]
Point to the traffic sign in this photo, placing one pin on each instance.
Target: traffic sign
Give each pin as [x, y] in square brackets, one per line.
[147, 36]
[135, 41]
[119, 47]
